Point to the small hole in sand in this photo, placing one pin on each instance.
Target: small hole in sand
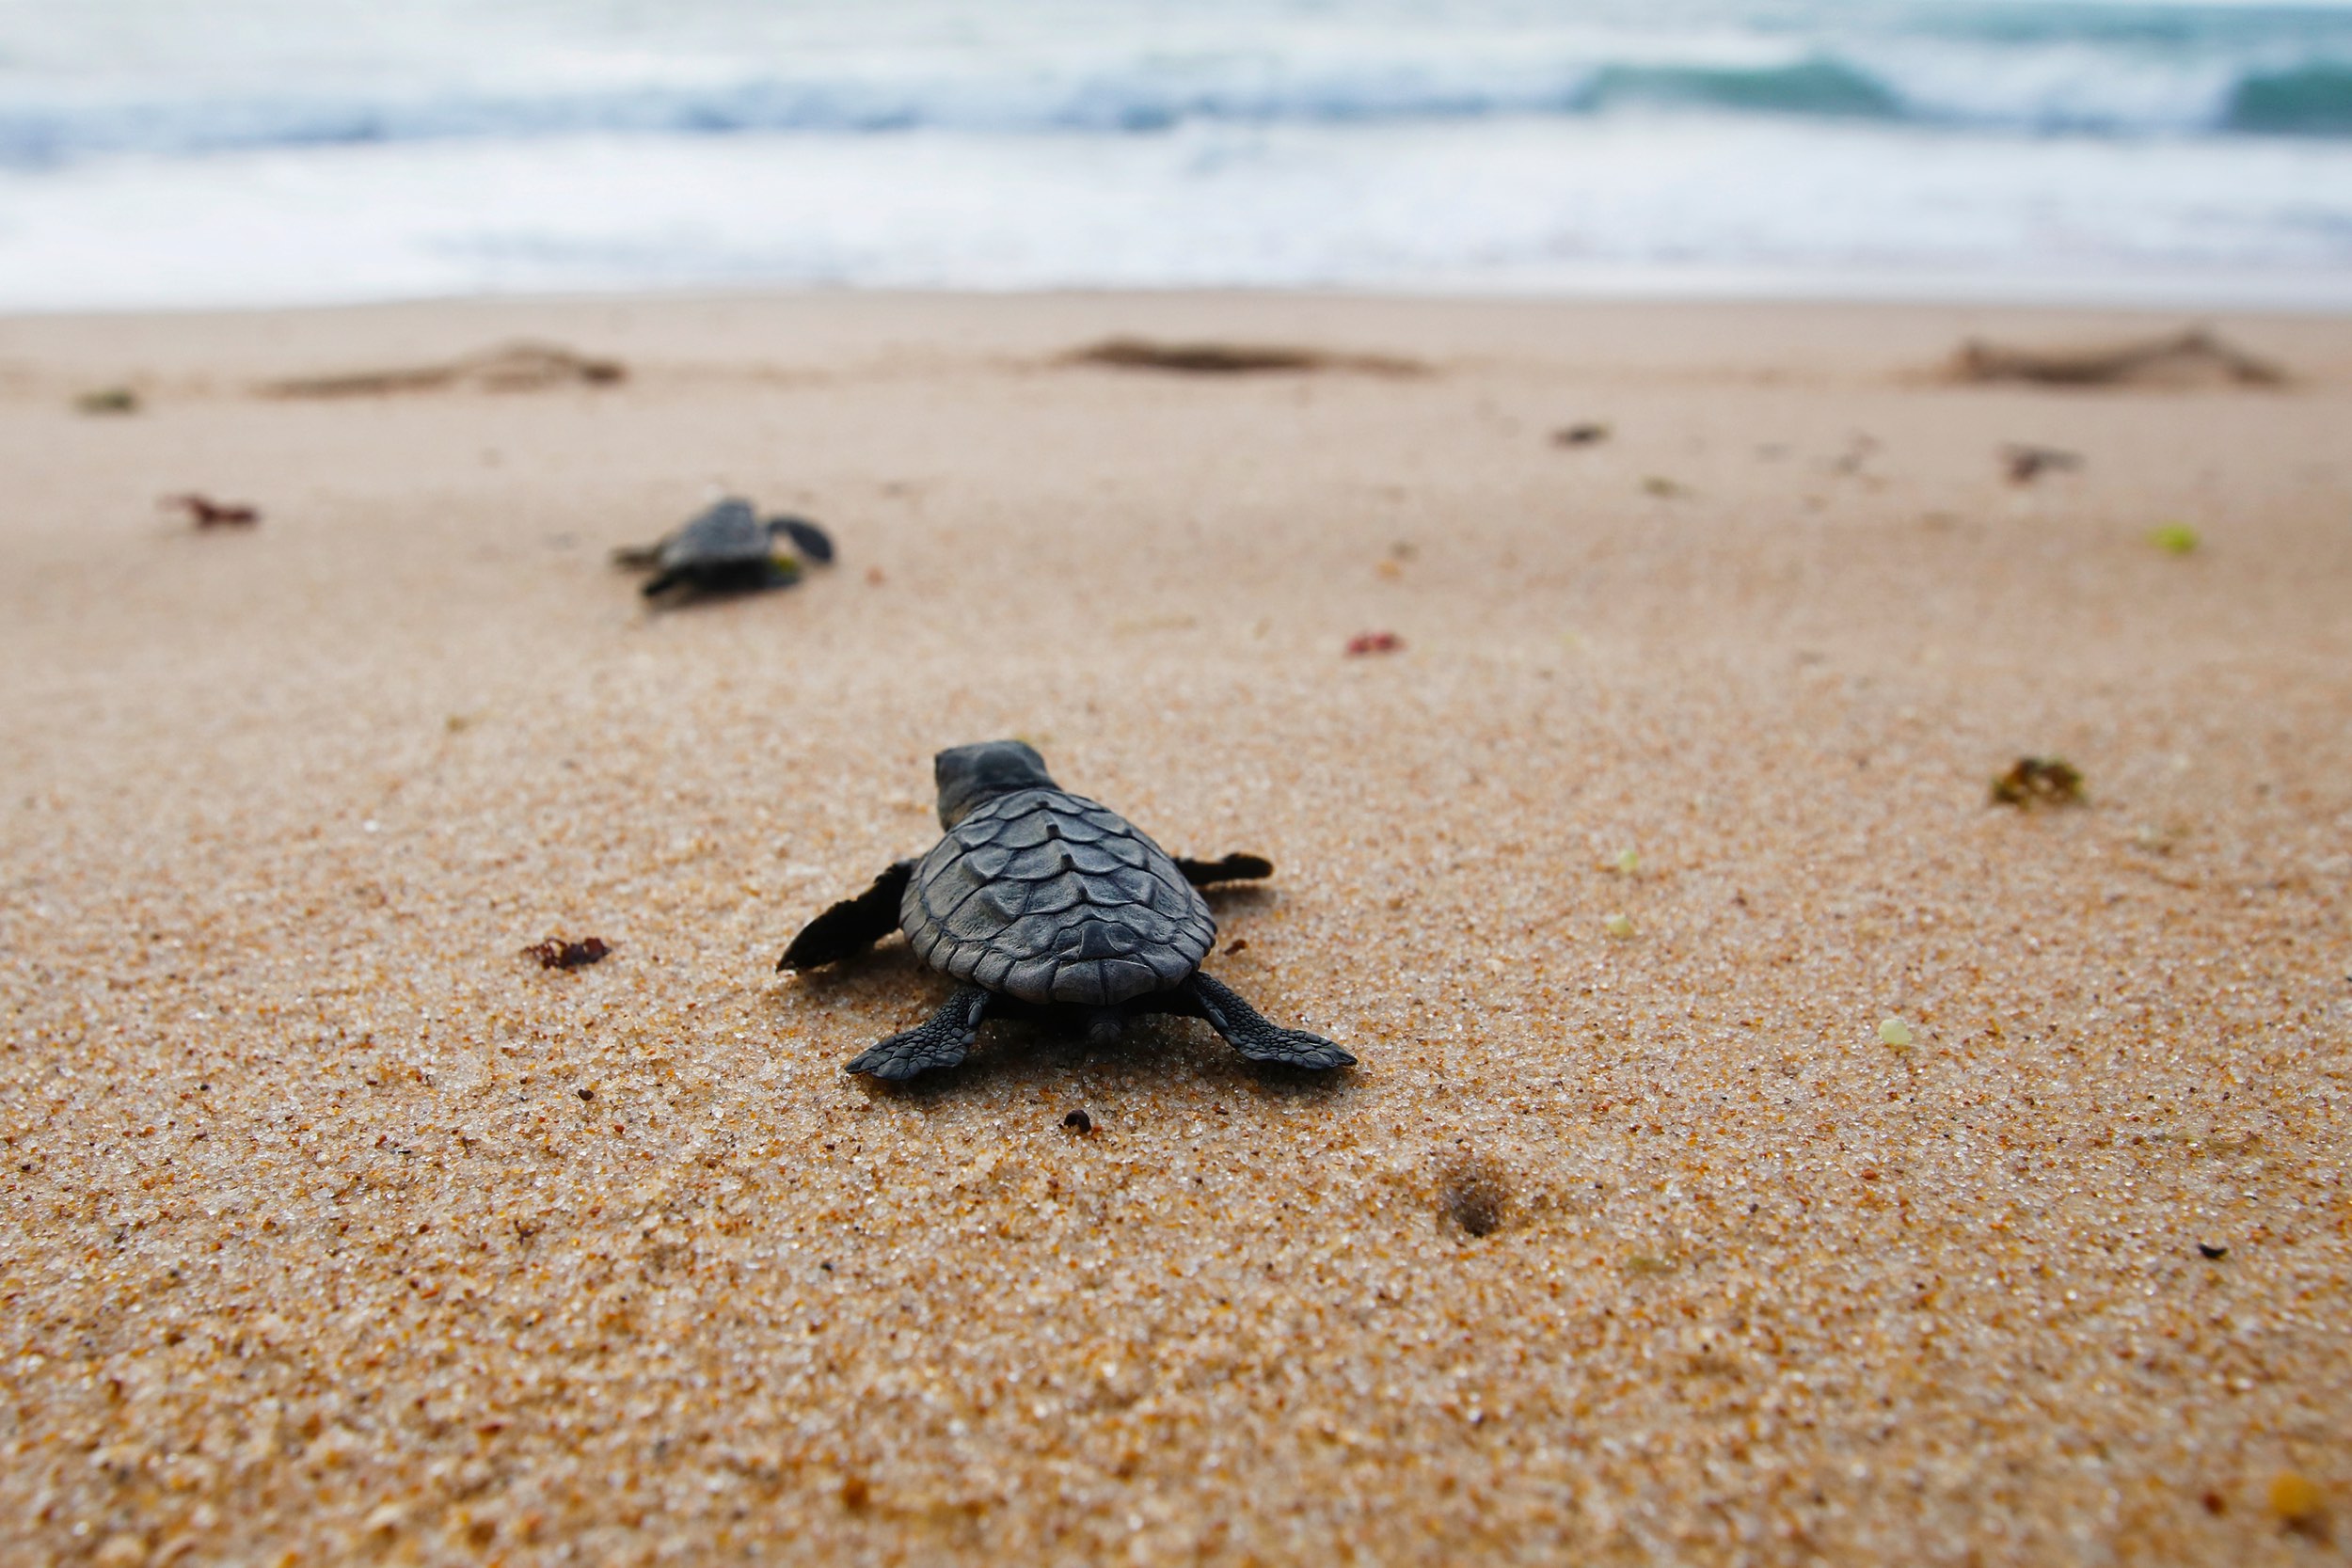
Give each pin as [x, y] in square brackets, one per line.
[1473, 1196]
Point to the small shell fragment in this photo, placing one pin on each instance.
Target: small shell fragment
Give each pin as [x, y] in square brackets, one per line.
[2294, 1497]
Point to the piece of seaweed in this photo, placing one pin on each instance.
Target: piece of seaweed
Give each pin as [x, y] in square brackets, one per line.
[204, 512]
[1218, 358]
[521, 367]
[555, 953]
[2039, 781]
[2025, 463]
[2178, 359]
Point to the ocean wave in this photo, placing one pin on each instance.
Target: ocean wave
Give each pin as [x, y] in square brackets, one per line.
[1820, 86]
[310, 150]
[2312, 99]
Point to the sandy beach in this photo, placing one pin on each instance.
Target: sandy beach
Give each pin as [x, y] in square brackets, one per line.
[340, 1229]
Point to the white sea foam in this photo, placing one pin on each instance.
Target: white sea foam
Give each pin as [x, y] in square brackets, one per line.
[256, 151]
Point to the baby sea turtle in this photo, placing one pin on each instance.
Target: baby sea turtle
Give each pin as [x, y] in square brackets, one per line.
[1040, 903]
[726, 549]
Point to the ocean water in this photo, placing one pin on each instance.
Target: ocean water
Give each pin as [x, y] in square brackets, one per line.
[156, 153]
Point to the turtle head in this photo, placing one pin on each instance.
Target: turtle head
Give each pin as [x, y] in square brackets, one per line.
[969, 774]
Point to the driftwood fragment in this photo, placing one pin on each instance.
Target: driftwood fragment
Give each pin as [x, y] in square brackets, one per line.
[2193, 358]
[523, 367]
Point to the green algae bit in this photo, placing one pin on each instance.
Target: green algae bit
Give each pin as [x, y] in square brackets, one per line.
[2174, 539]
[1894, 1032]
[1618, 925]
[1628, 863]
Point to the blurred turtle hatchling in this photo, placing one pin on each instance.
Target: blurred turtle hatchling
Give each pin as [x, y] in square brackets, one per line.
[727, 550]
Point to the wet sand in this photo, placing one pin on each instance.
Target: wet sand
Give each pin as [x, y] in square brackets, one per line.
[340, 1229]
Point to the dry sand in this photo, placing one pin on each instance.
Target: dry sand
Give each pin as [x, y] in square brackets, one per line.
[338, 1229]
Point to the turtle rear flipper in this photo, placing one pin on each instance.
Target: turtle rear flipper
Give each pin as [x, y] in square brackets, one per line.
[941, 1041]
[1255, 1036]
[637, 558]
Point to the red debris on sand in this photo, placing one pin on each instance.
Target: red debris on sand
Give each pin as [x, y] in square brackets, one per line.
[204, 512]
[555, 953]
[1373, 642]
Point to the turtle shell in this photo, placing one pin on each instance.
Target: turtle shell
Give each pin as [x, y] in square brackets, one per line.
[1047, 896]
[729, 533]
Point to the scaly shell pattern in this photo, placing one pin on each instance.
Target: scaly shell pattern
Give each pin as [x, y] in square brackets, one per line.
[1047, 896]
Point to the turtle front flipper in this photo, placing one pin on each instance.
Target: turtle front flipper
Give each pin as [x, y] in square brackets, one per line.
[1256, 1036]
[851, 925]
[941, 1041]
[1233, 868]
